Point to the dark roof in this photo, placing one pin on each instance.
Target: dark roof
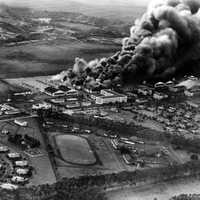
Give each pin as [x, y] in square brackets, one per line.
[63, 88]
[51, 90]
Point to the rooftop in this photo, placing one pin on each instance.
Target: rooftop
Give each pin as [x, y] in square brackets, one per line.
[63, 88]
[111, 94]
[51, 89]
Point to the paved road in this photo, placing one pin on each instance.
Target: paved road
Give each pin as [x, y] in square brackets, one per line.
[20, 117]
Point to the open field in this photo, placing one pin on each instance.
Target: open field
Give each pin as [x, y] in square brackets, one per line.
[109, 159]
[5, 89]
[43, 172]
[8, 88]
[125, 12]
[75, 149]
[79, 26]
[36, 84]
[46, 58]
[161, 191]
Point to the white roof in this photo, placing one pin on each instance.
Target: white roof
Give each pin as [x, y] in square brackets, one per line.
[189, 84]
[159, 83]
[21, 163]
[3, 148]
[8, 186]
[14, 155]
[22, 171]
[72, 91]
[59, 92]
[169, 82]
[18, 178]
[19, 121]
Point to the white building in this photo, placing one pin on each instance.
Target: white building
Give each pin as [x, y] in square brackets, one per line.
[159, 96]
[144, 90]
[20, 122]
[43, 105]
[109, 96]
[192, 104]
[51, 91]
[188, 93]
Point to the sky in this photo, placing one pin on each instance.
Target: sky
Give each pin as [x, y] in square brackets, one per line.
[100, 2]
[137, 2]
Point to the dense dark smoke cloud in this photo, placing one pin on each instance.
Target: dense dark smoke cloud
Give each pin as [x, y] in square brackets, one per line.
[174, 29]
[163, 43]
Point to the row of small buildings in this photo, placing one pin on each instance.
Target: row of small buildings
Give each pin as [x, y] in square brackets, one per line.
[161, 92]
[60, 91]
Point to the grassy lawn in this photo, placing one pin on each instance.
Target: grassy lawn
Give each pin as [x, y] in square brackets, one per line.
[75, 149]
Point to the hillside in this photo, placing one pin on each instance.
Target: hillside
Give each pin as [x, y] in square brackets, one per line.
[35, 42]
[43, 42]
[19, 24]
[121, 11]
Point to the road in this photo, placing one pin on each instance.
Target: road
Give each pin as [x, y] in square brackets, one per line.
[119, 162]
[20, 117]
[172, 153]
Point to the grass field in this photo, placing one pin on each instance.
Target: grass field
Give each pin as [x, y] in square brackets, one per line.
[6, 89]
[46, 58]
[75, 149]
[108, 159]
[159, 191]
[79, 26]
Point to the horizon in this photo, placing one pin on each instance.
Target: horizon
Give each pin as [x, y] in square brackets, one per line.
[63, 4]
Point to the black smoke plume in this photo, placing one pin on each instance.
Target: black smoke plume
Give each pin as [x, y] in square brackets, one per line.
[163, 43]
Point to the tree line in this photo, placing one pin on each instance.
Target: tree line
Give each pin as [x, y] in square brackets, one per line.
[94, 187]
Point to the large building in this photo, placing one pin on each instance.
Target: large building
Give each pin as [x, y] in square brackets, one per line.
[144, 90]
[159, 96]
[108, 96]
[53, 92]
